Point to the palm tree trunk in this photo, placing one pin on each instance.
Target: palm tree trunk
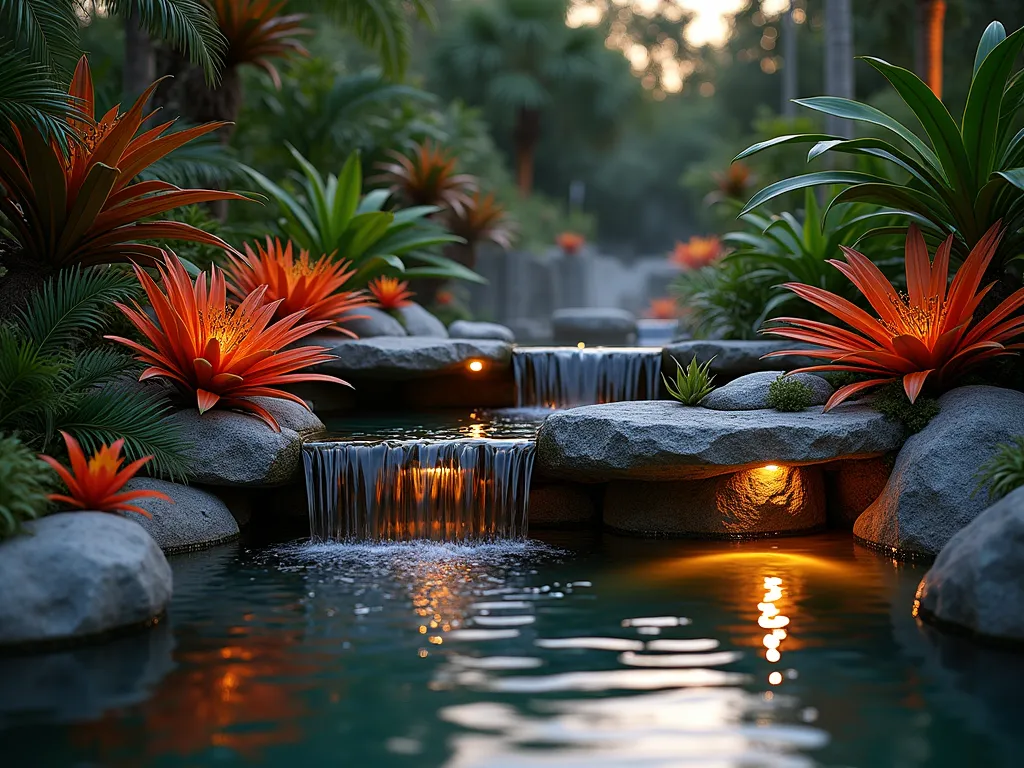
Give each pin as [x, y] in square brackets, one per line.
[526, 136]
[789, 64]
[930, 20]
[839, 59]
[139, 68]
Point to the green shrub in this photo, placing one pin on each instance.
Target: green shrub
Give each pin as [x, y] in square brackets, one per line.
[1004, 471]
[789, 395]
[692, 383]
[892, 402]
[24, 483]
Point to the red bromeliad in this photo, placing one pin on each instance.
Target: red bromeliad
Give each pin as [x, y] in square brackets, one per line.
[390, 293]
[924, 336]
[95, 483]
[86, 206]
[219, 355]
[298, 285]
[257, 31]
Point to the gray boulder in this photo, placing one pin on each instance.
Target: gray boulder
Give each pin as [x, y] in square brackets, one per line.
[660, 440]
[931, 493]
[229, 448]
[370, 322]
[291, 415]
[594, 327]
[561, 504]
[977, 581]
[732, 359]
[465, 329]
[196, 519]
[419, 322]
[79, 574]
[756, 502]
[750, 392]
[412, 357]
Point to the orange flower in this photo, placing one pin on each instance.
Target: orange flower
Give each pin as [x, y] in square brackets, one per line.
[924, 335]
[444, 298]
[570, 243]
[735, 182]
[94, 484]
[427, 178]
[663, 309]
[220, 355]
[389, 293]
[697, 252]
[87, 206]
[257, 31]
[296, 284]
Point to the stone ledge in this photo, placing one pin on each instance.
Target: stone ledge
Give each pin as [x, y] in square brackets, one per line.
[660, 440]
[404, 357]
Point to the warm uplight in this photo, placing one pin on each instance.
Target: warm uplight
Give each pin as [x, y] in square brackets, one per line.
[771, 467]
[581, 345]
[476, 366]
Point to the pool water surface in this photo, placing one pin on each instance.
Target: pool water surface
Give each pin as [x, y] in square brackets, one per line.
[577, 649]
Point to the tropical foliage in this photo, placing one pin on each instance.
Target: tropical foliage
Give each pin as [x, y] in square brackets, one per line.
[216, 355]
[721, 301]
[1004, 472]
[257, 31]
[331, 215]
[24, 483]
[86, 206]
[96, 483]
[960, 182]
[55, 374]
[697, 252]
[426, 177]
[691, 383]
[389, 293]
[925, 336]
[316, 288]
[481, 219]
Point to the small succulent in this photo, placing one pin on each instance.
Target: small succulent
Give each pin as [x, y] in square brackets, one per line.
[1004, 471]
[692, 383]
[24, 483]
[789, 395]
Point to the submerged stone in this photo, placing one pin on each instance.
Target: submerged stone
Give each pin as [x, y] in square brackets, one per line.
[977, 581]
[663, 440]
[933, 490]
[78, 574]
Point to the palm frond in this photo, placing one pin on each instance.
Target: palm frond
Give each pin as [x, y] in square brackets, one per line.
[47, 29]
[205, 162]
[381, 25]
[108, 414]
[74, 303]
[30, 97]
[97, 366]
[188, 25]
[27, 379]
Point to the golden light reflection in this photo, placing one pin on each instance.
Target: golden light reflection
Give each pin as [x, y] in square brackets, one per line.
[772, 618]
[439, 603]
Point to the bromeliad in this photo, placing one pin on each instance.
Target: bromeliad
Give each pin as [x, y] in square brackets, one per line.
[390, 293]
[219, 355]
[86, 206]
[95, 483]
[297, 284]
[922, 337]
[257, 31]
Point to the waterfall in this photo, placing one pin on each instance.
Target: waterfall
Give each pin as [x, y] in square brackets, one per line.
[564, 377]
[451, 490]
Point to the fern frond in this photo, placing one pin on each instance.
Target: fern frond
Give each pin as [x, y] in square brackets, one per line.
[74, 303]
[30, 98]
[204, 163]
[92, 367]
[27, 379]
[47, 29]
[189, 25]
[108, 414]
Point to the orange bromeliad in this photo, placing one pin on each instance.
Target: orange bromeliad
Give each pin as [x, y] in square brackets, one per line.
[257, 31]
[697, 252]
[570, 242]
[925, 335]
[390, 293]
[663, 309]
[94, 484]
[219, 355]
[314, 287]
[86, 206]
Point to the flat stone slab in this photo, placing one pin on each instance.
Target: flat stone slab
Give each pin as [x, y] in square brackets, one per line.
[750, 392]
[733, 358]
[661, 440]
[468, 329]
[79, 574]
[404, 357]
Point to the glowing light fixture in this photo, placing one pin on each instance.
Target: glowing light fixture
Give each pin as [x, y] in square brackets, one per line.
[771, 467]
[476, 366]
[581, 345]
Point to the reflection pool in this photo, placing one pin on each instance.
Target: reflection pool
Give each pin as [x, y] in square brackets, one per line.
[571, 650]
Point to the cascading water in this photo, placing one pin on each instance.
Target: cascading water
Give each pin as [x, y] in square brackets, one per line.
[452, 490]
[564, 377]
